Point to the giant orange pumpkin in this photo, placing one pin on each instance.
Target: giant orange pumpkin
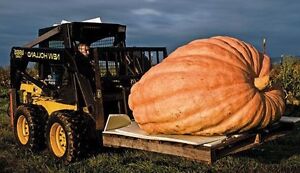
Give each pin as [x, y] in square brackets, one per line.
[207, 87]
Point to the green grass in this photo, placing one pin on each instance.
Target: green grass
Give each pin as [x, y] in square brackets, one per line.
[282, 155]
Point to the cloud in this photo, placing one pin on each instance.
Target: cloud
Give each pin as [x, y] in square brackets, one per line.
[146, 11]
[160, 23]
[151, 0]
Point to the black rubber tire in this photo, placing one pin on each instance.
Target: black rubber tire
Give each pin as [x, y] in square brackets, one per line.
[36, 119]
[75, 133]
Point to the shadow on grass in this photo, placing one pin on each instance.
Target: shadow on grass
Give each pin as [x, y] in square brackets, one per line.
[276, 151]
[281, 149]
[292, 110]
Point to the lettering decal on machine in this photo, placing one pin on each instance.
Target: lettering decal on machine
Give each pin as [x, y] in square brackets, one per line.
[43, 55]
[18, 53]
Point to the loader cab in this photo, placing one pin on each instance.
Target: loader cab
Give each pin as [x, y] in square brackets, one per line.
[62, 41]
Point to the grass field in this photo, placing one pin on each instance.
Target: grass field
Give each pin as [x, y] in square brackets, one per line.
[282, 155]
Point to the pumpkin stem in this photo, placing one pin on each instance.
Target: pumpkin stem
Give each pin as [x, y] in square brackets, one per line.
[261, 82]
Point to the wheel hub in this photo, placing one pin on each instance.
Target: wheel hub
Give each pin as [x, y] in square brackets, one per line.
[23, 129]
[58, 140]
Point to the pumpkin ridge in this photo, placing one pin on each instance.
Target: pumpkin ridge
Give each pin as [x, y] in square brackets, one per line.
[269, 110]
[257, 60]
[178, 67]
[277, 101]
[166, 74]
[205, 57]
[193, 112]
[199, 76]
[236, 116]
[193, 49]
[234, 123]
[244, 44]
[274, 96]
[226, 46]
[255, 121]
[192, 128]
[235, 50]
[218, 51]
[157, 98]
[266, 119]
[266, 66]
[157, 118]
[241, 48]
[247, 56]
[274, 109]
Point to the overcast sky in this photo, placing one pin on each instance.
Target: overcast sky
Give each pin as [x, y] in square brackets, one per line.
[168, 23]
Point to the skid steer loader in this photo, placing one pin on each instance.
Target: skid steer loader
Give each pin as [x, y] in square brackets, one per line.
[61, 98]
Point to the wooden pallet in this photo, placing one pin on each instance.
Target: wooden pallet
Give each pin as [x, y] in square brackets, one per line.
[206, 152]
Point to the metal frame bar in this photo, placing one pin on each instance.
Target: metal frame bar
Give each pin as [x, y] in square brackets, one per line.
[43, 37]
